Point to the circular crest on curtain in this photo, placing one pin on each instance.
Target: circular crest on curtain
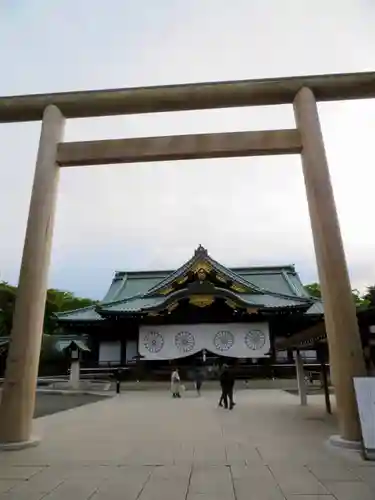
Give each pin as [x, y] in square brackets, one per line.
[255, 339]
[154, 342]
[223, 340]
[184, 341]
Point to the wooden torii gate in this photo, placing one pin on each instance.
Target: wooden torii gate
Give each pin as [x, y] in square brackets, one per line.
[18, 398]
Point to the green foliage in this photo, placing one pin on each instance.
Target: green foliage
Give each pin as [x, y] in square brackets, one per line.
[361, 301]
[7, 299]
[370, 295]
[56, 301]
[60, 301]
[313, 290]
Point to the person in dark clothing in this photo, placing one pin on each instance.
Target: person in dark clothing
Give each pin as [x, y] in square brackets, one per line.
[118, 377]
[227, 385]
[221, 400]
[198, 381]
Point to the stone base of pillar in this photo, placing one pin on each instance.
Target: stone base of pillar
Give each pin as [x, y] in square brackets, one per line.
[340, 442]
[74, 379]
[20, 445]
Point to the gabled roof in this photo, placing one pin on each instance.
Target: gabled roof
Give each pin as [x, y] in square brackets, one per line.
[201, 257]
[134, 292]
[277, 279]
[64, 342]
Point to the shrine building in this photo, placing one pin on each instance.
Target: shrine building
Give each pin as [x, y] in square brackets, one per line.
[201, 313]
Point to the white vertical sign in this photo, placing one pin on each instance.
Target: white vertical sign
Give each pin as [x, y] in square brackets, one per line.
[365, 395]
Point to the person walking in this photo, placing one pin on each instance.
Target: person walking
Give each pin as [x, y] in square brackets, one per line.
[227, 385]
[198, 381]
[118, 377]
[221, 371]
[175, 384]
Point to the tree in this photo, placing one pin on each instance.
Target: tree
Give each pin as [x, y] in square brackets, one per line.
[361, 301]
[56, 301]
[60, 301]
[8, 295]
[313, 290]
[370, 295]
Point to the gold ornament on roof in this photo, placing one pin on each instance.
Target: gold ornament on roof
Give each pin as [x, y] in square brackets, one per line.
[172, 306]
[202, 265]
[202, 275]
[182, 280]
[201, 300]
[221, 278]
[231, 304]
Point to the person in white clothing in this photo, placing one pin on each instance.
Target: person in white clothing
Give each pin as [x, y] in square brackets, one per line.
[175, 384]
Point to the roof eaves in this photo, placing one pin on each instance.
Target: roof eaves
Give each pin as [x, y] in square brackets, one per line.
[66, 313]
[162, 302]
[264, 269]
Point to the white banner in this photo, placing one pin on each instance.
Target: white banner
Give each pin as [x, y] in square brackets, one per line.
[235, 340]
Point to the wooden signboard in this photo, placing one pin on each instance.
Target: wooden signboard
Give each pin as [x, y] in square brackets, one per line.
[365, 395]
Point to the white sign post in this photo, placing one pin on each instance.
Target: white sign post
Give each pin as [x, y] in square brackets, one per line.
[365, 394]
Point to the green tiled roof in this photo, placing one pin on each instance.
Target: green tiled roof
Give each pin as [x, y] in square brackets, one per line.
[283, 279]
[316, 308]
[125, 285]
[134, 304]
[131, 292]
[269, 301]
[266, 278]
[85, 314]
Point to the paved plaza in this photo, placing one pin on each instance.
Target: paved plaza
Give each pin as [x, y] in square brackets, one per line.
[147, 446]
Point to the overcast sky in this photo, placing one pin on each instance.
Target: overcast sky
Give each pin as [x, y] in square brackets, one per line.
[149, 216]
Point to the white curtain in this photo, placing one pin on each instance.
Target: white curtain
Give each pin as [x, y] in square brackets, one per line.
[237, 340]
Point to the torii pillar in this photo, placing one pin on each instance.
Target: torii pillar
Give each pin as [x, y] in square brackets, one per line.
[345, 349]
[18, 397]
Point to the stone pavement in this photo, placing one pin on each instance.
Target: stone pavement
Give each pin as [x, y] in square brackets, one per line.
[147, 446]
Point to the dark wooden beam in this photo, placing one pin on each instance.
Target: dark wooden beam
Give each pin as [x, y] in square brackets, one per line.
[262, 92]
[304, 339]
[180, 147]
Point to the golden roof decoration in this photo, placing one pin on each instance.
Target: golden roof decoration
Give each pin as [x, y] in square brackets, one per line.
[201, 300]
